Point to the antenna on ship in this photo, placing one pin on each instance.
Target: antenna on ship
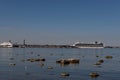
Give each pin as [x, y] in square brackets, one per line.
[96, 42]
[10, 41]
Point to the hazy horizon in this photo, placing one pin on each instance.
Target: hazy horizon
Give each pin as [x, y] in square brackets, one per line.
[60, 21]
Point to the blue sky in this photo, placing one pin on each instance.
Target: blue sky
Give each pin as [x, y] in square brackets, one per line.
[60, 21]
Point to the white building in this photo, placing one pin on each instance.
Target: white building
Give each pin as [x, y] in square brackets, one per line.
[6, 44]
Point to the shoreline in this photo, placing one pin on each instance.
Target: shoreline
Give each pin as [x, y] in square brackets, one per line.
[52, 46]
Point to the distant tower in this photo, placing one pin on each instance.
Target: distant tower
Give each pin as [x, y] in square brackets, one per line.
[24, 42]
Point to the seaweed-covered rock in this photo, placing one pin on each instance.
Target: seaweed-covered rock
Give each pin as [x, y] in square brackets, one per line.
[50, 67]
[97, 63]
[12, 64]
[68, 61]
[94, 74]
[65, 74]
[63, 61]
[101, 61]
[35, 60]
[108, 57]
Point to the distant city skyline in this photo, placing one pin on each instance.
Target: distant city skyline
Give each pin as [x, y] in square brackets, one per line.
[60, 21]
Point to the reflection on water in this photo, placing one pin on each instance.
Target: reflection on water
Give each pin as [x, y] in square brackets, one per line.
[14, 64]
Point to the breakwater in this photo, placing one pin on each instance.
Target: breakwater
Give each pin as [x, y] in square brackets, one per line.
[42, 46]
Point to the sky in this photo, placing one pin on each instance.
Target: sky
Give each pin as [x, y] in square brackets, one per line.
[60, 21]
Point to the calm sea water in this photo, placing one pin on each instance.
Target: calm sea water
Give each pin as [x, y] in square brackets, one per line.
[25, 70]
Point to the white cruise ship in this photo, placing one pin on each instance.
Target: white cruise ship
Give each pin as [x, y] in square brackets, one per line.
[88, 45]
[6, 44]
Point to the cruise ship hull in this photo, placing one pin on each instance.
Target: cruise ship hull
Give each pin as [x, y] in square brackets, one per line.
[89, 45]
[92, 47]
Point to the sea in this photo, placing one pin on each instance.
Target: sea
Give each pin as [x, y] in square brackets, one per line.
[15, 64]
